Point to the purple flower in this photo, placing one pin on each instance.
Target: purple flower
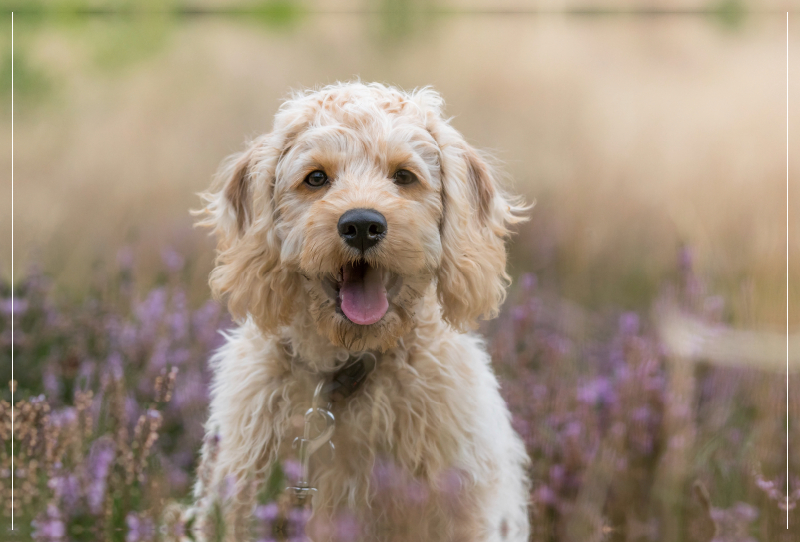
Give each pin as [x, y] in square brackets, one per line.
[178, 319]
[733, 523]
[267, 512]
[177, 476]
[140, 529]
[179, 356]
[557, 473]
[629, 323]
[595, 391]
[172, 259]
[451, 482]
[99, 464]
[64, 417]
[48, 527]
[386, 475]
[417, 492]
[292, 470]
[191, 390]
[158, 360]
[114, 366]
[15, 305]
[154, 415]
[297, 520]
[150, 311]
[131, 408]
[545, 495]
[206, 323]
[66, 489]
[347, 527]
[520, 314]
[127, 336]
[86, 371]
[528, 282]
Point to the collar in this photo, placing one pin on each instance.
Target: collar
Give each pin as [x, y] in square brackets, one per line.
[345, 382]
[341, 384]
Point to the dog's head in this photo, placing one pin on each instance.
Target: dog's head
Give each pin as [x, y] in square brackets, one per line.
[360, 199]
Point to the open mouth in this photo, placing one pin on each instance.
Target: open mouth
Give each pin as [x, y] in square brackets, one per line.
[362, 292]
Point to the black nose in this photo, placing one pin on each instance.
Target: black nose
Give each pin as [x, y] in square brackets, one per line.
[362, 228]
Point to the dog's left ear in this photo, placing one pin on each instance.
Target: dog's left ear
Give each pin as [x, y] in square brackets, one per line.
[472, 277]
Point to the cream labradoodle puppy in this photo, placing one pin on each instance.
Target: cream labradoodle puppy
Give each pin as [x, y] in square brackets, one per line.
[359, 241]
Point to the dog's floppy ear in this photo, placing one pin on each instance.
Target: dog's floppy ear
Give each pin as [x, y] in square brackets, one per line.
[229, 201]
[240, 209]
[472, 277]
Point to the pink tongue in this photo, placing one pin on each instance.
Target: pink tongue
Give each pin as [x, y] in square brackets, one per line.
[362, 295]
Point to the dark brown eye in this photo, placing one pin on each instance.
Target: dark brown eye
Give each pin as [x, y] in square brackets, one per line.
[317, 178]
[403, 176]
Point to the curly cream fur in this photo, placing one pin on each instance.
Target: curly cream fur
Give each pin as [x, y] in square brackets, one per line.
[431, 407]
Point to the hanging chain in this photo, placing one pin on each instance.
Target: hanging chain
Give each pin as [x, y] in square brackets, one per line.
[307, 445]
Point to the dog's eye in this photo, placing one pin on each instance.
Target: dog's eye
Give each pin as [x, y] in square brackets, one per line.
[316, 179]
[403, 176]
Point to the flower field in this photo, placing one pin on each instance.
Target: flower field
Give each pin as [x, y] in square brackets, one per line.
[627, 441]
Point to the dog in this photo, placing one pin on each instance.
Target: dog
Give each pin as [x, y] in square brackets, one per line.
[358, 244]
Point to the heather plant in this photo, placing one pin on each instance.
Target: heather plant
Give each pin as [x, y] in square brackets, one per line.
[630, 438]
[80, 473]
[119, 333]
[98, 410]
[630, 441]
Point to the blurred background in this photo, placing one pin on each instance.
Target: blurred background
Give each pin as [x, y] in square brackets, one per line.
[634, 134]
[651, 135]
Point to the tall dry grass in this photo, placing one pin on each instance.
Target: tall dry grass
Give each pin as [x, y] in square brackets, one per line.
[634, 135]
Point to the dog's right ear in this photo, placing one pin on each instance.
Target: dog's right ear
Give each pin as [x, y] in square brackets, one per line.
[240, 209]
[229, 202]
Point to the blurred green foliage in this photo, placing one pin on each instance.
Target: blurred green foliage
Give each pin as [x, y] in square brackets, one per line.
[122, 33]
[730, 13]
[116, 34]
[31, 83]
[123, 41]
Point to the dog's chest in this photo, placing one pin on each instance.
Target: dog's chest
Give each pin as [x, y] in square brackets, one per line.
[414, 427]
